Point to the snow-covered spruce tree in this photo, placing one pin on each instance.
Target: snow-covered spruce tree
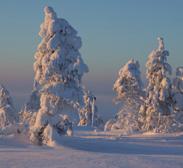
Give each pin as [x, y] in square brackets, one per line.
[89, 114]
[8, 114]
[178, 100]
[28, 114]
[58, 91]
[128, 88]
[155, 113]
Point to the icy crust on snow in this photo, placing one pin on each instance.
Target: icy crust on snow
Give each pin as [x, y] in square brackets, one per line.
[8, 114]
[128, 87]
[89, 149]
[155, 113]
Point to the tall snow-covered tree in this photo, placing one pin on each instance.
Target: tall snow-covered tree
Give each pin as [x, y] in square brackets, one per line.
[155, 113]
[58, 89]
[8, 114]
[128, 88]
[178, 99]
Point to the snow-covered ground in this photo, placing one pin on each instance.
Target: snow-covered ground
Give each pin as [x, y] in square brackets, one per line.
[90, 149]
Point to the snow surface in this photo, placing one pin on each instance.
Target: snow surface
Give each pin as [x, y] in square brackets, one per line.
[90, 149]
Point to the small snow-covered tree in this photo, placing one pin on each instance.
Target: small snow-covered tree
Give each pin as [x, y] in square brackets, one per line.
[178, 99]
[58, 89]
[89, 114]
[155, 113]
[28, 113]
[8, 114]
[128, 88]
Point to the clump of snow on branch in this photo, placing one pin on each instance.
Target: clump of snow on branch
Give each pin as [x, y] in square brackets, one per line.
[155, 113]
[128, 88]
[8, 114]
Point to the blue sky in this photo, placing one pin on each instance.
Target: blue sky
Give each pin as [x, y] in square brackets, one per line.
[112, 32]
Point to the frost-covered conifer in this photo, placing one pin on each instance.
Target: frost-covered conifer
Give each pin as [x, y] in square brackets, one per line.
[58, 89]
[28, 113]
[128, 88]
[89, 114]
[155, 114]
[8, 114]
[178, 99]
